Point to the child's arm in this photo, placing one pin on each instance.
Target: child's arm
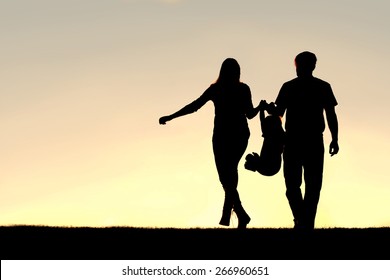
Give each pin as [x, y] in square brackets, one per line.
[262, 108]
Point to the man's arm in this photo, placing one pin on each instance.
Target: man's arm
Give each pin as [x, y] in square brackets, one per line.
[281, 102]
[333, 125]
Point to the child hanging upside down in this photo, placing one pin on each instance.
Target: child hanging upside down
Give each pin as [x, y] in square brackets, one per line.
[269, 161]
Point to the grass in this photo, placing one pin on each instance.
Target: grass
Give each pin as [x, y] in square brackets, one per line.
[43, 242]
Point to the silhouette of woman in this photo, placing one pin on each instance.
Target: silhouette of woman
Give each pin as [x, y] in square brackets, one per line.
[233, 105]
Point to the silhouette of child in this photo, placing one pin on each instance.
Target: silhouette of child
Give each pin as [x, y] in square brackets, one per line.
[269, 161]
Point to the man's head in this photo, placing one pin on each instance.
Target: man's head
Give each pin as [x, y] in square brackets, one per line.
[305, 63]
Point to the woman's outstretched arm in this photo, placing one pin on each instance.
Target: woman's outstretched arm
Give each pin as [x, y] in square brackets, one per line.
[188, 109]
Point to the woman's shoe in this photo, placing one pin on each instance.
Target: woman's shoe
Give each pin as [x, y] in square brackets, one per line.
[225, 219]
[243, 217]
[224, 222]
[243, 221]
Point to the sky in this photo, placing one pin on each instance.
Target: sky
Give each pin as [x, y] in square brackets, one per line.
[83, 84]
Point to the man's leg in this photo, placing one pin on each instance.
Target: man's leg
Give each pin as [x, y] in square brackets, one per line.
[292, 169]
[314, 163]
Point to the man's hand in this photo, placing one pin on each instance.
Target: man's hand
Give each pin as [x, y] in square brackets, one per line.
[333, 148]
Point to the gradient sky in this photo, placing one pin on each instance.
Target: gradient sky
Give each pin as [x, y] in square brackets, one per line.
[84, 82]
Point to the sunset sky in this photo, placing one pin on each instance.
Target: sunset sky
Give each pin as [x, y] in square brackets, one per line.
[84, 82]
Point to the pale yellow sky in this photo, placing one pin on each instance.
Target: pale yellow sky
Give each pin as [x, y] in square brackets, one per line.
[84, 83]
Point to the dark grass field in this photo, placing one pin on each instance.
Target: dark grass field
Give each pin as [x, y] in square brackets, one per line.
[129, 243]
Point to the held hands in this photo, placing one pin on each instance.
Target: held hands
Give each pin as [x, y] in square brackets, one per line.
[262, 105]
[333, 148]
[269, 107]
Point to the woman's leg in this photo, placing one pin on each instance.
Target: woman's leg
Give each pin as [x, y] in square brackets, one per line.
[227, 209]
[227, 156]
[227, 179]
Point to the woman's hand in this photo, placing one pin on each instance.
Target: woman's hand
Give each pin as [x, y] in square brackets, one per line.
[165, 119]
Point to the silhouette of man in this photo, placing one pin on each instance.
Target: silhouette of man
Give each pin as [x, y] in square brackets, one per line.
[304, 100]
